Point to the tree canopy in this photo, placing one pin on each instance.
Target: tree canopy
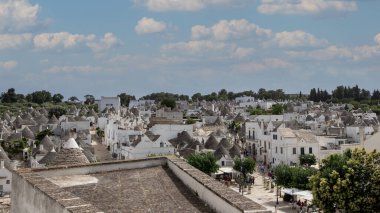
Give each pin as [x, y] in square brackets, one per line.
[307, 159]
[247, 165]
[125, 98]
[168, 102]
[349, 182]
[293, 176]
[206, 162]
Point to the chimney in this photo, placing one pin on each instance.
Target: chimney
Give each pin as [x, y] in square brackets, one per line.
[41, 147]
[2, 164]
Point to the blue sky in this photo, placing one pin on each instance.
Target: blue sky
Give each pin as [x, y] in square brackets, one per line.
[186, 46]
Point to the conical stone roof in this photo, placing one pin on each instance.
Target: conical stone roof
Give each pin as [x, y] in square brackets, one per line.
[71, 144]
[18, 121]
[53, 120]
[27, 133]
[47, 143]
[41, 119]
[225, 143]
[36, 113]
[211, 143]
[68, 157]
[49, 157]
[220, 152]
[235, 151]
[27, 116]
[6, 117]
[218, 122]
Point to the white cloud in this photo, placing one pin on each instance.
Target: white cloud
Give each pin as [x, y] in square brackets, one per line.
[12, 41]
[59, 40]
[67, 40]
[195, 47]
[187, 5]
[265, 64]
[73, 69]
[334, 52]
[297, 39]
[108, 41]
[17, 15]
[377, 38]
[304, 6]
[8, 64]
[224, 30]
[149, 25]
[241, 52]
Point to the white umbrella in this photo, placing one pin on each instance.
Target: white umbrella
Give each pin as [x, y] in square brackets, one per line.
[307, 195]
[290, 191]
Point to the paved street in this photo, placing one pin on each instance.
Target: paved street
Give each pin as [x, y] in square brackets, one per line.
[266, 198]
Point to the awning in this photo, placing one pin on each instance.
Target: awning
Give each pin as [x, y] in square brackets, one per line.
[307, 195]
[290, 191]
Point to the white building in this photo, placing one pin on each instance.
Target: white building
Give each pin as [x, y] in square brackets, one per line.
[109, 102]
[244, 99]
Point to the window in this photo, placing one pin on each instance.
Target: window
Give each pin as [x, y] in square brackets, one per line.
[8, 181]
[222, 163]
[281, 150]
[302, 150]
[162, 144]
[273, 160]
[276, 149]
[294, 151]
[310, 150]
[274, 137]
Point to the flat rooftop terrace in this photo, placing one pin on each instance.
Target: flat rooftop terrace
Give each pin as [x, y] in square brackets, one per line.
[154, 189]
[165, 184]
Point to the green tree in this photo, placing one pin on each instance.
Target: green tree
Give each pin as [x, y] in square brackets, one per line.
[39, 97]
[308, 159]
[204, 162]
[277, 109]
[125, 98]
[57, 98]
[248, 165]
[57, 111]
[43, 133]
[293, 176]
[9, 97]
[73, 99]
[190, 121]
[349, 182]
[168, 102]
[89, 99]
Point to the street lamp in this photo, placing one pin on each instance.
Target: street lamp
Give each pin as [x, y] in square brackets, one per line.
[275, 181]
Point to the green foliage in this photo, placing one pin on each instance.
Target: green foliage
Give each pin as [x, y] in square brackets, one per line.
[125, 98]
[15, 147]
[308, 159]
[277, 109]
[160, 96]
[168, 102]
[204, 162]
[99, 132]
[39, 97]
[351, 182]
[73, 99]
[190, 121]
[43, 133]
[89, 99]
[57, 111]
[10, 96]
[248, 165]
[57, 98]
[293, 176]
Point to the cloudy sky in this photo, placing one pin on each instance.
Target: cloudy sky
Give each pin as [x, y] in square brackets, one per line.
[187, 46]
